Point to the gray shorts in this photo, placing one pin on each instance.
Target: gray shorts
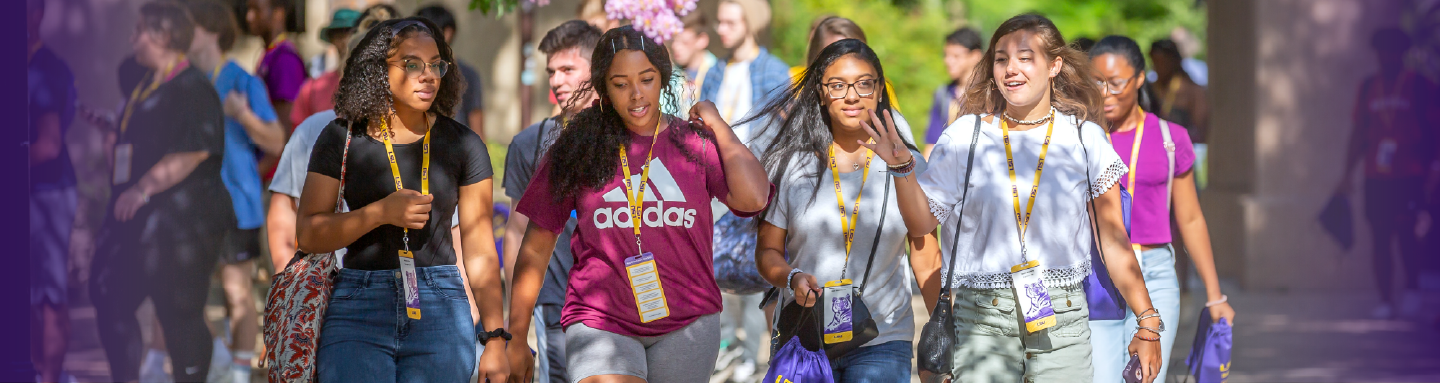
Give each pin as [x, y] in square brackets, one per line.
[682, 356]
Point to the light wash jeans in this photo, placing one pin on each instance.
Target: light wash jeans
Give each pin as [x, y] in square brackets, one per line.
[1111, 338]
[991, 344]
[885, 362]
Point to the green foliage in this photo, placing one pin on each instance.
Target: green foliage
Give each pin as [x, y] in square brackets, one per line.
[499, 7]
[909, 35]
[909, 42]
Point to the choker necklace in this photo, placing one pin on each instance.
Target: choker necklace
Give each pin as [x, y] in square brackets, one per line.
[1039, 121]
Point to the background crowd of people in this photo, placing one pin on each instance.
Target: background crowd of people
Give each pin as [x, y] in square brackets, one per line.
[212, 167]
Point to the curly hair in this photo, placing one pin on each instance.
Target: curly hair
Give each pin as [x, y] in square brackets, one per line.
[592, 139]
[364, 91]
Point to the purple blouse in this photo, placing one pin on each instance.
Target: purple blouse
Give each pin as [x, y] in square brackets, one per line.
[1150, 218]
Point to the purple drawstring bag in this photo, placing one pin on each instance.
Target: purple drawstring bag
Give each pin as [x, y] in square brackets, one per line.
[1105, 301]
[1209, 359]
[794, 364]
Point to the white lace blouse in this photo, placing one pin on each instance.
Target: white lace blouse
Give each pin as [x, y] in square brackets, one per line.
[1059, 234]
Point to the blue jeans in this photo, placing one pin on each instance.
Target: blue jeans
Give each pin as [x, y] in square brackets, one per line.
[1111, 338]
[885, 362]
[366, 336]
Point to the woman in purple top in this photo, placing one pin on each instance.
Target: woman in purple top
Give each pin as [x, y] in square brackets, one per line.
[1160, 175]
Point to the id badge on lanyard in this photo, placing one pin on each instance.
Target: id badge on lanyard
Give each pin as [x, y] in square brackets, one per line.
[839, 311]
[645, 284]
[412, 289]
[1030, 290]
[124, 155]
[1385, 155]
[641, 270]
[1033, 297]
[407, 258]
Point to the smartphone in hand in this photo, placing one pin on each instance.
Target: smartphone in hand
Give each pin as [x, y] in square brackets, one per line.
[1132, 372]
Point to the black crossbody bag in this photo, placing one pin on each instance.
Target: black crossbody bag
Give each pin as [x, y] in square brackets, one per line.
[934, 351]
[794, 319]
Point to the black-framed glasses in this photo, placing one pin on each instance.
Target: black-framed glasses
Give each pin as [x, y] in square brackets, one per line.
[1115, 86]
[414, 67]
[839, 89]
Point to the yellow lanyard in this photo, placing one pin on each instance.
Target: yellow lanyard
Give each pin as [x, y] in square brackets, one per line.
[1134, 150]
[138, 95]
[1134, 158]
[395, 167]
[636, 200]
[849, 221]
[215, 74]
[1022, 223]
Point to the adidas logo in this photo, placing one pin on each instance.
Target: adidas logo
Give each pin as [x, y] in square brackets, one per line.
[662, 189]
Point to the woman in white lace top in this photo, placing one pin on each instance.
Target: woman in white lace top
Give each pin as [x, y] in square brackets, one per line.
[1035, 100]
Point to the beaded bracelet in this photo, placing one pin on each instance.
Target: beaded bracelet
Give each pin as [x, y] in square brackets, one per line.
[903, 170]
[1223, 299]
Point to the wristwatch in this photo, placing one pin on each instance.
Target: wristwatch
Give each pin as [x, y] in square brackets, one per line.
[485, 337]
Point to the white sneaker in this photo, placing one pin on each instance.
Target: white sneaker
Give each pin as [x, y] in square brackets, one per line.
[1385, 311]
[219, 363]
[744, 372]
[153, 370]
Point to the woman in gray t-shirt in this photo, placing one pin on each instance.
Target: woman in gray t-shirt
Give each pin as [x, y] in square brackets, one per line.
[833, 215]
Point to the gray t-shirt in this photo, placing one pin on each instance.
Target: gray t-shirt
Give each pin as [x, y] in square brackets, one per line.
[294, 163]
[526, 151]
[817, 245]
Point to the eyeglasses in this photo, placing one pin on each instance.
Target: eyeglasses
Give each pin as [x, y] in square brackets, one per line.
[839, 89]
[414, 68]
[1114, 86]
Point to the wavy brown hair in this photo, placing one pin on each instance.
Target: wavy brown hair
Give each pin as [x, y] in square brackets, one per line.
[1072, 92]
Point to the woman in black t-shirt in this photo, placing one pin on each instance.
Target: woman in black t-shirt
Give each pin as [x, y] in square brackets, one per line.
[399, 310]
[168, 202]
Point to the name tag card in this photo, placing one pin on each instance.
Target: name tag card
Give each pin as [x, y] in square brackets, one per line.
[1033, 297]
[645, 284]
[412, 288]
[839, 311]
[124, 153]
[1385, 155]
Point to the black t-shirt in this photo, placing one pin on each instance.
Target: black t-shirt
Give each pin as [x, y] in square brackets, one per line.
[181, 115]
[458, 157]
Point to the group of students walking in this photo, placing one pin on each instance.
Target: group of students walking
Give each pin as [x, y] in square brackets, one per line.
[609, 249]
[629, 189]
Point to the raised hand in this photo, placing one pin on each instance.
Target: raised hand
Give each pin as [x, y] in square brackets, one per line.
[887, 143]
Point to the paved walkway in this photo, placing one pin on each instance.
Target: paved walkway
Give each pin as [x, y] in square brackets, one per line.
[1280, 337]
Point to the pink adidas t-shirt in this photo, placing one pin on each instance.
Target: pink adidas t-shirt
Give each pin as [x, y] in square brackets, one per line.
[676, 228]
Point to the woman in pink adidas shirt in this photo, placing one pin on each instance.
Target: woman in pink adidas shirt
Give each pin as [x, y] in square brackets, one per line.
[642, 302]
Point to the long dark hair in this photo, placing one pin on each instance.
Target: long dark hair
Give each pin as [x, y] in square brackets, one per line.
[364, 91]
[1128, 49]
[801, 122]
[1072, 92]
[591, 140]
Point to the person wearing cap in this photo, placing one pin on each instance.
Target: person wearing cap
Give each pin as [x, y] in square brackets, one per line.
[318, 94]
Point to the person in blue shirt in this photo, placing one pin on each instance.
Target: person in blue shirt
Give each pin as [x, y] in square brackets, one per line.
[52, 197]
[251, 129]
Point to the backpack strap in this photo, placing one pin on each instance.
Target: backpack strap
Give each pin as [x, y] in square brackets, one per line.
[1169, 156]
